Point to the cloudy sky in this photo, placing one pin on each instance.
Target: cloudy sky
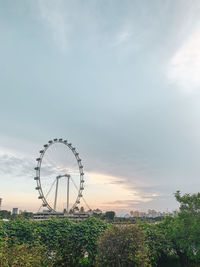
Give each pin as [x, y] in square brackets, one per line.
[120, 80]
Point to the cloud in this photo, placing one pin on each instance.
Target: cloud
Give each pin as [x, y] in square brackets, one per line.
[127, 203]
[184, 66]
[122, 37]
[113, 187]
[52, 14]
[15, 166]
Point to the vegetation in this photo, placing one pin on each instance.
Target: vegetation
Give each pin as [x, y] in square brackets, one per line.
[60, 241]
[23, 255]
[123, 246]
[174, 241]
[109, 216]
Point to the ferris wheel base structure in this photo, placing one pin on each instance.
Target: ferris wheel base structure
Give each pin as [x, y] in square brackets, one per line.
[37, 178]
[75, 217]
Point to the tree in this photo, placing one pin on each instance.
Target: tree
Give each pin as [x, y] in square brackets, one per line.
[189, 203]
[23, 255]
[123, 246]
[27, 214]
[175, 241]
[109, 215]
[5, 214]
[186, 227]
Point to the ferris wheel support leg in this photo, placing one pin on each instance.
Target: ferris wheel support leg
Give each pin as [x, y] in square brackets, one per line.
[68, 193]
[56, 193]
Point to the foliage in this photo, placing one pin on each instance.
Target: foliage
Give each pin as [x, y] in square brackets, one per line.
[122, 246]
[23, 255]
[20, 231]
[66, 243]
[5, 214]
[186, 228]
[27, 214]
[175, 241]
[189, 203]
[59, 242]
[109, 215]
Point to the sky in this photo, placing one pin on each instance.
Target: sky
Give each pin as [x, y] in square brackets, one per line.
[119, 80]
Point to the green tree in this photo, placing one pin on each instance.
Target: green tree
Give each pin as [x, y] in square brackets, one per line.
[20, 231]
[27, 214]
[109, 215]
[186, 228]
[5, 214]
[175, 241]
[23, 255]
[123, 246]
[189, 203]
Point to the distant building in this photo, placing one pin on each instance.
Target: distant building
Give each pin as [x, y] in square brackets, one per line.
[15, 211]
[152, 213]
[135, 213]
[97, 211]
[0, 202]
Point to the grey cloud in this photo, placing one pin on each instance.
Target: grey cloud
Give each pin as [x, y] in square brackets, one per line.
[16, 166]
[124, 202]
[19, 166]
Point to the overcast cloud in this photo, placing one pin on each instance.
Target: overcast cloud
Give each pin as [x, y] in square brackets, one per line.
[120, 80]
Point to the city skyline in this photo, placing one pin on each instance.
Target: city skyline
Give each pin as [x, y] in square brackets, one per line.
[119, 80]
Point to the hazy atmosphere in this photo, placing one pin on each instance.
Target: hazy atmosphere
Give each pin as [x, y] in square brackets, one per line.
[119, 80]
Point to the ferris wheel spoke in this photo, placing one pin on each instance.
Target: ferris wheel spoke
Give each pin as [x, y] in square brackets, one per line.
[75, 194]
[50, 188]
[82, 196]
[48, 191]
[74, 184]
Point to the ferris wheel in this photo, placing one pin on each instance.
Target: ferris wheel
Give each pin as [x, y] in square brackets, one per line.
[59, 176]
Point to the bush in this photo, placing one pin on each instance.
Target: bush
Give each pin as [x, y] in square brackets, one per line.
[23, 255]
[122, 246]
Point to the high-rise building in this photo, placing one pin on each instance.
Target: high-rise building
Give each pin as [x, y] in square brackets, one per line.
[0, 202]
[15, 211]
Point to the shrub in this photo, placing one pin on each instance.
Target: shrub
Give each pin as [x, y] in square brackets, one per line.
[122, 246]
[23, 255]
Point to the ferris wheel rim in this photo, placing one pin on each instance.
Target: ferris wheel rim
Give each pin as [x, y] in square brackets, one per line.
[38, 168]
